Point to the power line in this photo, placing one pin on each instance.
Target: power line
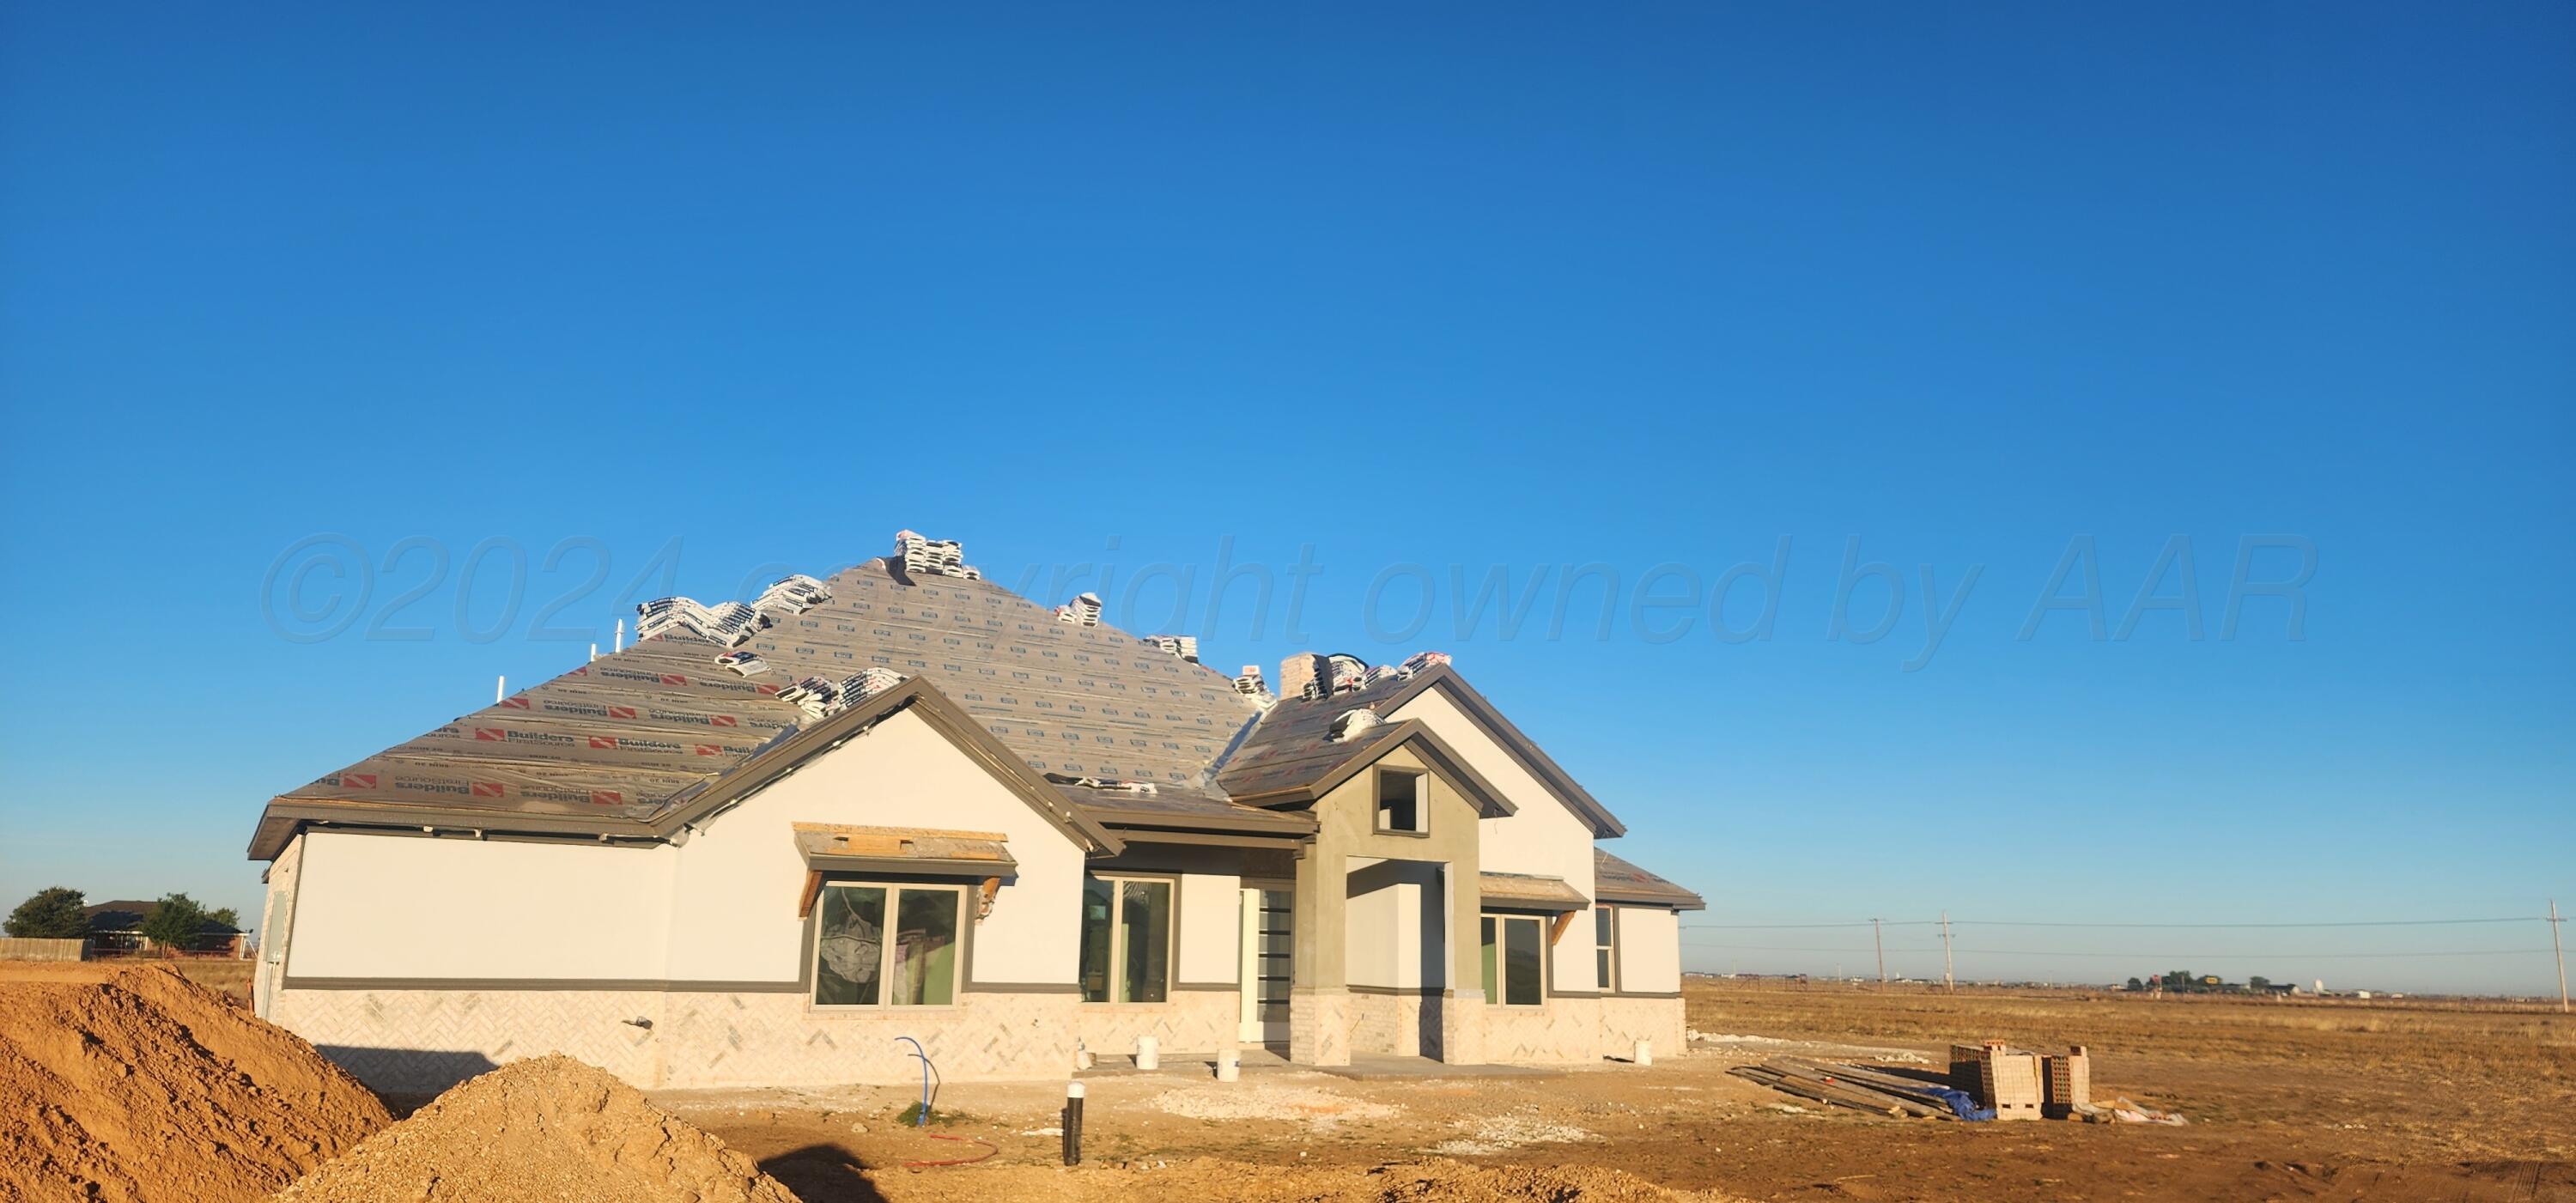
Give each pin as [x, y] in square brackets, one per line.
[2141, 926]
[2354, 923]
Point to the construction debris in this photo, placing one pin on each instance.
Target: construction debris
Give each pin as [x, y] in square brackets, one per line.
[1862, 1089]
[1990, 1081]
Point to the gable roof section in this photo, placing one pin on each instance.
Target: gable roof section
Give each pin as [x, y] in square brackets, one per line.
[1287, 751]
[1314, 777]
[365, 799]
[1615, 880]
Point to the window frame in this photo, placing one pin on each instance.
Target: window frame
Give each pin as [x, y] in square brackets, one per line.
[886, 946]
[1421, 802]
[1117, 954]
[1500, 988]
[1605, 945]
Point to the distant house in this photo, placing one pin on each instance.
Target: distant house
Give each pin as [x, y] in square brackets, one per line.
[114, 927]
[765, 841]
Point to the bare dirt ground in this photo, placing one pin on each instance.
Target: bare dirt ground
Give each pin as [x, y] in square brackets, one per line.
[2399, 1101]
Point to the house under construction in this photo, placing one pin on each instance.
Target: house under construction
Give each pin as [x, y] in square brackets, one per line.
[770, 837]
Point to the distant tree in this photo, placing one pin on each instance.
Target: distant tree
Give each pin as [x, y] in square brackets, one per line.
[2135, 984]
[176, 923]
[52, 913]
[226, 916]
[2257, 983]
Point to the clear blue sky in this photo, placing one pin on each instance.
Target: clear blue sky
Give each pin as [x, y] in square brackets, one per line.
[1492, 287]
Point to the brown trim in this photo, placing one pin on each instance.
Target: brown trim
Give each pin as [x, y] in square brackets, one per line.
[1643, 994]
[1575, 994]
[919, 866]
[643, 985]
[976, 987]
[1214, 839]
[1401, 991]
[1249, 821]
[1178, 987]
[813, 890]
[740, 782]
[1657, 902]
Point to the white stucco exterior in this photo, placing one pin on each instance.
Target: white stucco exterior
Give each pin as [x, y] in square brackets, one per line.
[720, 907]
[1543, 837]
[1649, 943]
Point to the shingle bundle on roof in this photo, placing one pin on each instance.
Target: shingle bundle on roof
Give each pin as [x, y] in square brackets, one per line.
[748, 664]
[728, 623]
[795, 593]
[1083, 611]
[820, 697]
[924, 556]
[1250, 684]
[1184, 646]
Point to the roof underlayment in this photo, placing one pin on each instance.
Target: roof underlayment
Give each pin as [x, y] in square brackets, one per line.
[627, 743]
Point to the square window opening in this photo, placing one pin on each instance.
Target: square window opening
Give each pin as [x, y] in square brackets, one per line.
[1403, 801]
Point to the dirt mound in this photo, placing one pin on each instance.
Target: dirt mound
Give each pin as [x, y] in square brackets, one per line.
[137, 1084]
[544, 1128]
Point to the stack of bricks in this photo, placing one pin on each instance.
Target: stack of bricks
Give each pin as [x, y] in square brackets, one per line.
[2008, 1080]
[2070, 1083]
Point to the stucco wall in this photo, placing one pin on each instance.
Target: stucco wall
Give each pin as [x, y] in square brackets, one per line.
[735, 888]
[1542, 837]
[403, 907]
[1211, 932]
[1650, 948]
[720, 907]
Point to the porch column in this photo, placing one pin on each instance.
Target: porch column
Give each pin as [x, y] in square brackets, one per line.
[1462, 1005]
[1319, 997]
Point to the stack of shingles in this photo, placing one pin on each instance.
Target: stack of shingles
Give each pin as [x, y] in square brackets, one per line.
[1184, 646]
[1083, 610]
[1250, 684]
[925, 556]
[822, 697]
[1853, 1086]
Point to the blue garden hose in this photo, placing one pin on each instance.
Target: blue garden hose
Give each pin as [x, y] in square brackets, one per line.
[924, 1120]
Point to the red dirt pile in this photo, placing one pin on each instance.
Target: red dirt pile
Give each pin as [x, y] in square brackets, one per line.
[545, 1128]
[137, 1084]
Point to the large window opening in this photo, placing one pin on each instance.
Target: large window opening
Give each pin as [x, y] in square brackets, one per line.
[1126, 939]
[886, 946]
[1403, 805]
[1515, 960]
[1605, 948]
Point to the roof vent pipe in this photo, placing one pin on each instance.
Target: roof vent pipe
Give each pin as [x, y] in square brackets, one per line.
[500, 688]
[621, 636]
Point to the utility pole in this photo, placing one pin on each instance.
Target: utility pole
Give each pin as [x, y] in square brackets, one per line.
[1949, 978]
[1882, 948]
[2554, 924]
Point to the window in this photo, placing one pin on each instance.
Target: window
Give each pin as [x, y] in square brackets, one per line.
[859, 963]
[1401, 802]
[1515, 960]
[1126, 939]
[1605, 952]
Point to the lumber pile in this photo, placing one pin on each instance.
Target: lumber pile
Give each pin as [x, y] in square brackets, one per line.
[1856, 1087]
[1990, 1081]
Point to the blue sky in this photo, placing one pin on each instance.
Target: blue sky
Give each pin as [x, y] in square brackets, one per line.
[1467, 288]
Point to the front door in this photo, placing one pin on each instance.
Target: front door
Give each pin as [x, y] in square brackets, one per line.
[1269, 942]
